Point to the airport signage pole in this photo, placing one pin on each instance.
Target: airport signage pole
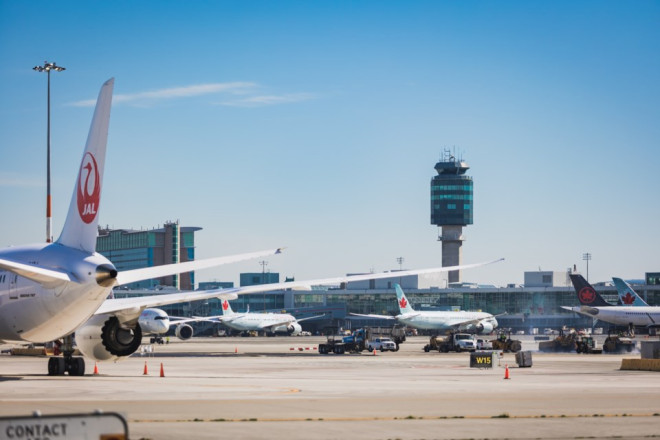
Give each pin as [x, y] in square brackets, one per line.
[47, 67]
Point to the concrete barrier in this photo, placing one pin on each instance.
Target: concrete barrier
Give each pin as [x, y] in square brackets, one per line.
[640, 364]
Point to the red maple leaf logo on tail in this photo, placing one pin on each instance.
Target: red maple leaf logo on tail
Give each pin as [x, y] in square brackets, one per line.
[403, 303]
[628, 298]
[587, 295]
[225, 305]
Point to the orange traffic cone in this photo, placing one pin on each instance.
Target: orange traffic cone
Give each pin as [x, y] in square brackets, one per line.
[506, 371]
[96, 369]
[162, 371]
[236, 350]
[374, 352]
[145, 369]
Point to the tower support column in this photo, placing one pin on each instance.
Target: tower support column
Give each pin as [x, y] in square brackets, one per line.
[452, 242]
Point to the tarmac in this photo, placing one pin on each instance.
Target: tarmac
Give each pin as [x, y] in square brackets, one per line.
[255, 388]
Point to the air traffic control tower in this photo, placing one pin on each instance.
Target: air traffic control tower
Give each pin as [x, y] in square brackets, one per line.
[451, 208]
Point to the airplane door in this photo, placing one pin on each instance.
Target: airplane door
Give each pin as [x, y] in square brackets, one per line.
[13, 280]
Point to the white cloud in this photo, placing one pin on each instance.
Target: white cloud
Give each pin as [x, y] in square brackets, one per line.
[264, 100]
[176, 92]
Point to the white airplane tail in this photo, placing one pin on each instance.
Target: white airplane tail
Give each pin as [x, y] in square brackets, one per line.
[81, 227]
[404, 305]
[226, 308]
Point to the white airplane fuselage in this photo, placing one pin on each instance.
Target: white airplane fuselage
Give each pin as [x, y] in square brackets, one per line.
[260, 322]
[641, 316]
[40, 313]
[154, 322]
[440, 320]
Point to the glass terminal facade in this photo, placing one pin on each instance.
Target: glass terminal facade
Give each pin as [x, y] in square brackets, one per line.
[131, 249]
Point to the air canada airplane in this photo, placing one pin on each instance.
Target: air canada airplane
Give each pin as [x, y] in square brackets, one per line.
[49, 291]
[627, 296]
[594, 306]
[271, 323]
[479, 322]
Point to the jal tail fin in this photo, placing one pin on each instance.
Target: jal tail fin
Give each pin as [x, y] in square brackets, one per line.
[81, 226]
[226, 308]
[586, 294]
[404, 305]
[627, 295]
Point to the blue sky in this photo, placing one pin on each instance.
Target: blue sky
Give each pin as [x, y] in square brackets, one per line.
[316, 126]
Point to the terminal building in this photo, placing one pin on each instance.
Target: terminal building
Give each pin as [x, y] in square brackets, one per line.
[134, 249]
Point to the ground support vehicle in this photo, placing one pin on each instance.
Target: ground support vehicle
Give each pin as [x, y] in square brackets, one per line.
[396, 334]
[619, 344]
[587, 344]
[356, 342]
[335, 344]
[562, 343]
[506, 344]
[453, 342]
[381, 344]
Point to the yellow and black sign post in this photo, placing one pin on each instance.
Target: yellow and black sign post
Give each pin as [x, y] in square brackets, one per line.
[482, 359]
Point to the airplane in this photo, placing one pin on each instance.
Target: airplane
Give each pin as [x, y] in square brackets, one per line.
[594, 306]
[48, 291]
[271, 323]
[627, 295]
[156, 322]
[479, 322]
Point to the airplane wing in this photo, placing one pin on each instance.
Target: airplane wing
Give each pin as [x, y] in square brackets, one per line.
[297, 285]
[374, 316]
[175, 320]
[272, 325]
[310, 317]
[134, 306]
[39, 274]
[131, 276]
[45, 276]
[583, 310]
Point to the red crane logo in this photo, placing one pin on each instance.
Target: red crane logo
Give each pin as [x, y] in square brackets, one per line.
[89, 189]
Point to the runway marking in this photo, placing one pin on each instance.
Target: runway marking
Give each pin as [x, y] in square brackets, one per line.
[410, 417]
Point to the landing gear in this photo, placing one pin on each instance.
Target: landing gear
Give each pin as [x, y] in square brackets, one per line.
[75, 366]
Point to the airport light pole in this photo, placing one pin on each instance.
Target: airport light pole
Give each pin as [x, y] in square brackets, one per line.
[400, 260]
[586, 257]
[47, 67]
[263, 263]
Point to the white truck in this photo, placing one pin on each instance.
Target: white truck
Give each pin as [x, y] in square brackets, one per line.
[381, 344]
[453, 342]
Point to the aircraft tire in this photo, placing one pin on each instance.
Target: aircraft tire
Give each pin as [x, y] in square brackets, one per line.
[56, 366]
[77, 367]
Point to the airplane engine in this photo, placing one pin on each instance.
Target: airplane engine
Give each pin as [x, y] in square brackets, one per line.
[485, 327]
[294, 328]
[183, 331]
[102, 338]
